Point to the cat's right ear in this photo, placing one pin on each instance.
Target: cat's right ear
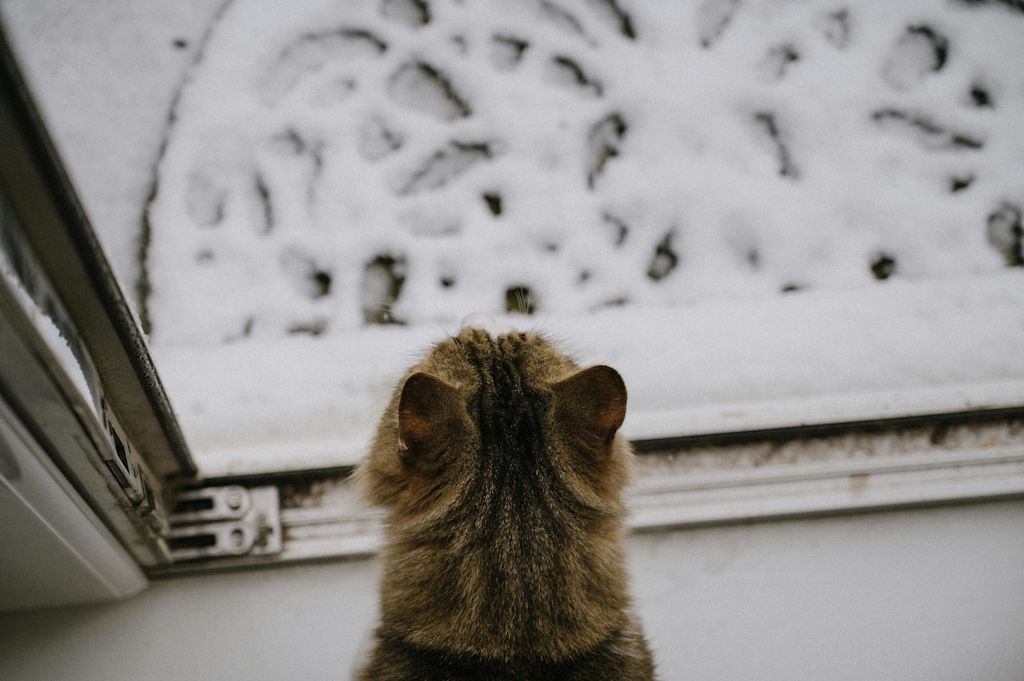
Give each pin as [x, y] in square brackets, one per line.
[590, 406]
[427, 418]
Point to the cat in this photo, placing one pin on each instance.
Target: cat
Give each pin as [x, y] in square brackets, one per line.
[500, 462]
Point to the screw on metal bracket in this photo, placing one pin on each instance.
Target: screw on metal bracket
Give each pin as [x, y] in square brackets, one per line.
[217, 522]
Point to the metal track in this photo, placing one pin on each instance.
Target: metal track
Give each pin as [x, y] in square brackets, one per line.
[942, 461]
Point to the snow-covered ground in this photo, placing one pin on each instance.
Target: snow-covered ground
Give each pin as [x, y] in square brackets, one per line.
[763, 213]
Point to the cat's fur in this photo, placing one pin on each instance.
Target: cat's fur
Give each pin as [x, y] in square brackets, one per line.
[499, 460]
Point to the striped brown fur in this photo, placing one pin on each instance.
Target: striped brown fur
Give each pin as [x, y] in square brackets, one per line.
[499, 461]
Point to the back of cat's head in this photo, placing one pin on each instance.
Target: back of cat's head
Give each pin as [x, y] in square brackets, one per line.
[495, 422]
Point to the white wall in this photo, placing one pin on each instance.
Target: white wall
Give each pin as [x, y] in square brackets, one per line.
[929, 594]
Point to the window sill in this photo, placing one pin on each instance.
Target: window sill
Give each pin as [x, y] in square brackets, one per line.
[938, 462]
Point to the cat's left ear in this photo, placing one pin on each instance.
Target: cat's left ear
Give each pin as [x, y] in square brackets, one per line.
[427, 416]
[591, 406]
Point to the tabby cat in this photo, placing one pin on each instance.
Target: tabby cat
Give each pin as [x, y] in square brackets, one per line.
[499, 461]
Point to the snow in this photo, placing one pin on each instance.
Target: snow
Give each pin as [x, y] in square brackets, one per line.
[762, 213]
[104, 75]
[714, 366]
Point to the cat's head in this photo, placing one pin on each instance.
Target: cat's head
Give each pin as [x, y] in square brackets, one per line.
[496, 423]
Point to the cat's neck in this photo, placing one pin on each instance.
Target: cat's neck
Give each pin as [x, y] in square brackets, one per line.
[528, 587]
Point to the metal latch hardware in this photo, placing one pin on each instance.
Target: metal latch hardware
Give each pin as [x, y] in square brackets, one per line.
[217, 522]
